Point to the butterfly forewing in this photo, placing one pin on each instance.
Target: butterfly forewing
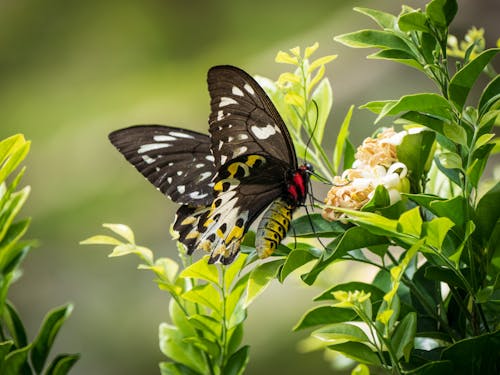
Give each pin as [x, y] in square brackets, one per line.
[177, 161]
[243, 120]
[226, 180]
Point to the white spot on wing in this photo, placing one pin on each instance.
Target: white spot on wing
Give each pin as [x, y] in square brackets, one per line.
[152, 146]
[179, 173]
[223, 159]
[263, 132]
[220, 115]
[197, 195]
[210, 158]
[181, 135]
[169, 180]
[199, 165]
[240, 151]
[237, 91]
[181, 189]
[242, 136]
[224, 100]
[249, 89]
[204, 176]
[148, 159]
[163, 138]
[220, 144]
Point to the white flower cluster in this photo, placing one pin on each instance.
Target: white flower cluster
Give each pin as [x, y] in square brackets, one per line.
[376, 164]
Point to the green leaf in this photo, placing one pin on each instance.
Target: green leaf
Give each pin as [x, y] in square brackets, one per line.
[431, 122]
[325, 315]
[202, 270]
[376, 224]
[454, 209]
[413, 21]
[16, 362]
[207, 324]
[377, 106]
[354, 238]
[235, 335]
[259, 279]
[11, 209]
[404, 335]
[444, 275]
[455, 133]
[416, 152]
[172, 344]
[62, 364]
[396, 55]
[237, 362]
[477, 355]
[339, 333]
[464, 79]
[180, 319]
[205, 295]
[487, 214]
[323, 97]
[13, 151]
[360, 369]
[490, 95]
[122, 230]
[379, 200]
[410, 222]
[171, 368]
[205, 345]
[9, 246]
[435, 231]
[358, 352]
[383, 19]
[232, 271]
[297, 258]
[374, 39]
[450, 160]
[441, 12]
[15, 325]
[313, 226]
[101, 240]
[342, 139]
[5, 347]
[429, 104]
[47, 334]
[349, 155]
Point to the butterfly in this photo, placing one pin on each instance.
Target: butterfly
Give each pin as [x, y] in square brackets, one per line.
[225, 180]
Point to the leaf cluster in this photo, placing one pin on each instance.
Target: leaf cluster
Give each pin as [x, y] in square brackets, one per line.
[17, 354]
[207, 310]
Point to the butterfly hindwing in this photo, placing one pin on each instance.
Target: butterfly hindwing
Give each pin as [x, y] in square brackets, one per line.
[243, 120]
[177, 161]
[244, 188]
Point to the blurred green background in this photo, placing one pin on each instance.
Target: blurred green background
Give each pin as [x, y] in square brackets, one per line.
[72, 71]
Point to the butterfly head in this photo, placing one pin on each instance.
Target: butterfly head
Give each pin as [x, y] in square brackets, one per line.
[297, 185]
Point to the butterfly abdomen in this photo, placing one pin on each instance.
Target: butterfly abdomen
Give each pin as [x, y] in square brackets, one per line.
[273, 227]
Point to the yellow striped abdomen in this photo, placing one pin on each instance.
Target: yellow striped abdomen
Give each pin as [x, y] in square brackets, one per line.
[273, 227]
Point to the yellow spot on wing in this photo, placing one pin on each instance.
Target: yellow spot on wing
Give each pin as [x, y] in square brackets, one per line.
[236, 233]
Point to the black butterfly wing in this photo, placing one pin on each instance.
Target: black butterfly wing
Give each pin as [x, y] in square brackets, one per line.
[243, 120]
[253, 153]
[177, 161]
[243, 189]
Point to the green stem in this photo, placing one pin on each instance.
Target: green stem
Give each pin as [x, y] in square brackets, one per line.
[382, 339]
[224, 333]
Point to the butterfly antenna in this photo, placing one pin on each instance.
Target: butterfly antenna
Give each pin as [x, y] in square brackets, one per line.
[311, 133]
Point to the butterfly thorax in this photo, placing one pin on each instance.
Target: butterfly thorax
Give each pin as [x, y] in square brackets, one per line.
[297, 184]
